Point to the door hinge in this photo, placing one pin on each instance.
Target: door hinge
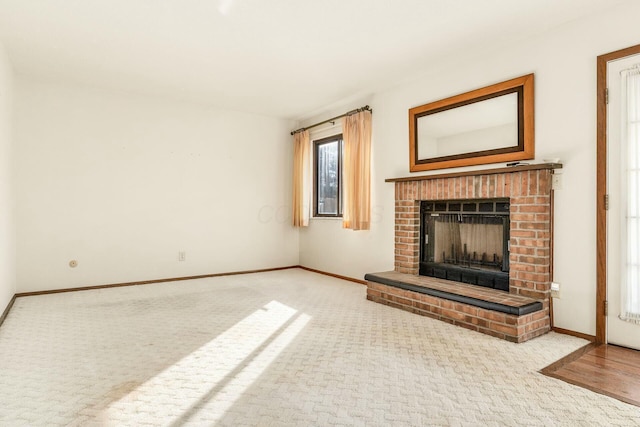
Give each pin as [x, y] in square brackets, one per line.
[606, 308]
[606, 202]
[606, 96]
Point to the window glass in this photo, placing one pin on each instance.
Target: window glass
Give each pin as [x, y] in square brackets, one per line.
[328, 176]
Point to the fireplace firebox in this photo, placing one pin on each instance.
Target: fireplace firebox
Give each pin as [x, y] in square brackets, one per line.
[466, 241]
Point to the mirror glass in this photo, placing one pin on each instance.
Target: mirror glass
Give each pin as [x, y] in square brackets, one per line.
[492, 124]
[480, 126]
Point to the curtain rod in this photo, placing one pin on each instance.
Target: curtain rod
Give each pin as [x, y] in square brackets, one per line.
[348, 113]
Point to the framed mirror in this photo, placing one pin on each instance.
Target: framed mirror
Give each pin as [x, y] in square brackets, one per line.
[493, 124]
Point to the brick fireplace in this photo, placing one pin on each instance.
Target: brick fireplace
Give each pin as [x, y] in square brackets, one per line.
[517, 315]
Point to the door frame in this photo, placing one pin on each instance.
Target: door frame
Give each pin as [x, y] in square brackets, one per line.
[601, 188]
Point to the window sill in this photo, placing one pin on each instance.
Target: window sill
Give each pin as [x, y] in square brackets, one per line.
[327, 218]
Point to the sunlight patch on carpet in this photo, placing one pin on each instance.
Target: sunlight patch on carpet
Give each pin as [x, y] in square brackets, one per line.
[215, 375]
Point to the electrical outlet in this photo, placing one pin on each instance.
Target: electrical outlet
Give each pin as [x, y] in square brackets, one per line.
[555, 290]
[556, 181]
[182, 256]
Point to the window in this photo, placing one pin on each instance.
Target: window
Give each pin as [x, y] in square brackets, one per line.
[327, 177]
[631, 139]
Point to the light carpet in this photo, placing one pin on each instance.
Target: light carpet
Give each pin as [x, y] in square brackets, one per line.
[287, 347]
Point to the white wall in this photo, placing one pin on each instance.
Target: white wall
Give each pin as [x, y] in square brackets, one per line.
[122, 183]
[564, 63]
[7, 225]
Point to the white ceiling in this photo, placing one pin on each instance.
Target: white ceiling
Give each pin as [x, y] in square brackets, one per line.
[284, 58]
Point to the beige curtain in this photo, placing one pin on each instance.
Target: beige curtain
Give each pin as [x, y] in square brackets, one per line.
[301, 181]
[357, 171]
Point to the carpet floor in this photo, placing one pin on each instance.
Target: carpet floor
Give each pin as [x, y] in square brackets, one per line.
[287, 347]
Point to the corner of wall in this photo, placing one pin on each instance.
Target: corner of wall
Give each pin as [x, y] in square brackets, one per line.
[7, 199]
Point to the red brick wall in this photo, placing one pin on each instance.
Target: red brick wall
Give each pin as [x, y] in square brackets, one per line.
[530, 196]
[505, 326]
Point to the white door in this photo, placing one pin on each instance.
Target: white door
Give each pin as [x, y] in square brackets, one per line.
[619, 332]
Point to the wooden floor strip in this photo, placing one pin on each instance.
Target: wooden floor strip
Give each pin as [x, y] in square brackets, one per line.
[610, 364]
[619, 354]
[606, 369]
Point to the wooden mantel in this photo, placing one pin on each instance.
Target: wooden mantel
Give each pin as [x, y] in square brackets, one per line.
[506, 169]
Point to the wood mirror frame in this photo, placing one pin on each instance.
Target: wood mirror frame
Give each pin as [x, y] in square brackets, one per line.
[523, 150]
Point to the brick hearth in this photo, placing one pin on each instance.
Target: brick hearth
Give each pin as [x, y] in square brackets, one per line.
[531, 201]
